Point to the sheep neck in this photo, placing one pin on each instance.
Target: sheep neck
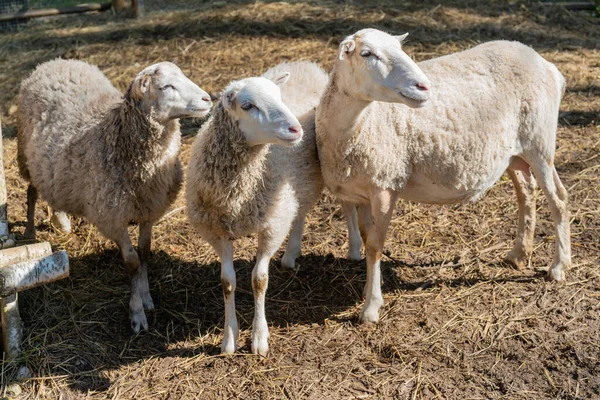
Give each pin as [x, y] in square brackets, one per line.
[136, 142]
[343, 112]
[237, 168]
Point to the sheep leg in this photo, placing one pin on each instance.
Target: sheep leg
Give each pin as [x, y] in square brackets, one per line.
[132, 267]
[32, 196]
[267, 246]
[144, 244]
[60, 219]
[294, 245]
[365, 220]
[382, 207]
[556, 195]
[354, 237]
[224, 249]
[525, 187]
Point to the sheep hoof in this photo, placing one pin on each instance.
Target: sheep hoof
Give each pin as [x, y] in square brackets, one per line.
[369, 316]
[261, 349]
[288, 261]
[556, 273]
[147, 301]
[228, 346]
[354, 254]
[260, 343]
[61, 221]
[29, 234]
[517, 259]
[139, 321]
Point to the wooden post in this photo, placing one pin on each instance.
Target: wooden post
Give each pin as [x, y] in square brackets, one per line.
[6, 240]
[138, 8]
[12, 330]
[21, 268]
[81, 8]
[118, 5]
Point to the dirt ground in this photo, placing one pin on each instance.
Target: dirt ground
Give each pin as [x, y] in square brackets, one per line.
[458, 323]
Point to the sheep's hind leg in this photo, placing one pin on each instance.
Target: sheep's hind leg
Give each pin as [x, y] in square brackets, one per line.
[294, 245]
[60, 220]
[132, 267]
[525, 186]
[557, 199]
[144, 244]
[382, 207]
[32, 196]
[354, 238]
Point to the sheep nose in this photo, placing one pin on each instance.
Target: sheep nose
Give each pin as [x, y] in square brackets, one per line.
[421, 86]
[294, 129]
[206, 98]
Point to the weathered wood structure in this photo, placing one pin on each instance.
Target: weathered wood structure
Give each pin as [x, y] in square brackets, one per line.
[117, 5]
[21, 268]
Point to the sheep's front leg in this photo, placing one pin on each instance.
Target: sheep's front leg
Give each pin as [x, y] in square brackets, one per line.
[382, 207]
[132, 267]
[224, 248]
[354, 239]
[268, 243]
[144, 244]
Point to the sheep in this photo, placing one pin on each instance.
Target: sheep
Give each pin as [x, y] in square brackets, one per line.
[254, 169]
[383, 134]
[90, 151]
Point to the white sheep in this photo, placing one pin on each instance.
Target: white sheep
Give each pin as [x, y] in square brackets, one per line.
[384, 134]
[90, 151]
[254, 169]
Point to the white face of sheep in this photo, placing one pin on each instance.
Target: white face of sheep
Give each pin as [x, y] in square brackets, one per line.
[165, 91]
[255, 104]
[375, 68]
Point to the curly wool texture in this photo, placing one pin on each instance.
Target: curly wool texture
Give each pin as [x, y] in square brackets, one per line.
[488, 104]
[232, 187]
[91, 152]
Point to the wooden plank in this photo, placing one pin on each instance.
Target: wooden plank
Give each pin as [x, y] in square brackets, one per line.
[574, 5]
[31, 273]
[24, 253]
[56, 11]
[12, 330]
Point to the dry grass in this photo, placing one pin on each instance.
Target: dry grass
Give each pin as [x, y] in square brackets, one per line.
[457, 324]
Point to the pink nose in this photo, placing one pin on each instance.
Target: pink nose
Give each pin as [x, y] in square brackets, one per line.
[294, 129]
[422, 86]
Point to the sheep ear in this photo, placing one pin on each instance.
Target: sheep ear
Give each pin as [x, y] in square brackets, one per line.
[401, 38]
[346, 48]
[138, 88]
[144, 84]
[281, 79]
[229, 98]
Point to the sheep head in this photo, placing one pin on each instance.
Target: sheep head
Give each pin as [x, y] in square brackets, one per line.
[255, 104]
[372, 66]
[163, 90]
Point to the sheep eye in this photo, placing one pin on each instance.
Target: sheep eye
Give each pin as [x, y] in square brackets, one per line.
[167, 87]
[247, 106]
[365, 53]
